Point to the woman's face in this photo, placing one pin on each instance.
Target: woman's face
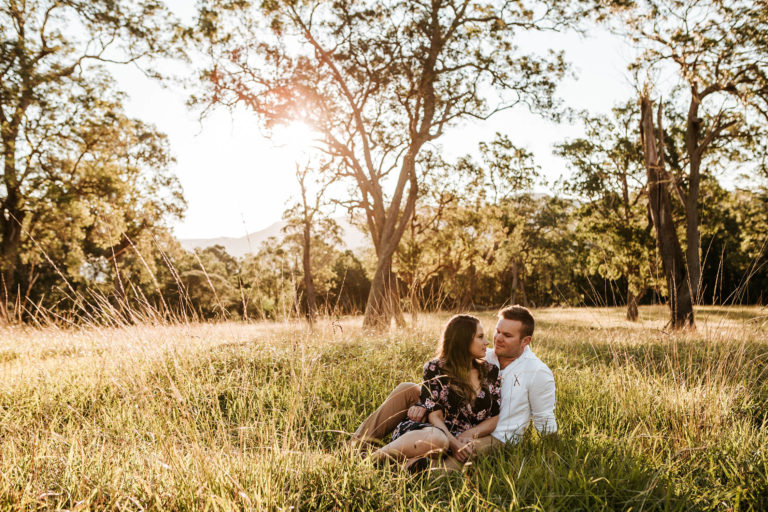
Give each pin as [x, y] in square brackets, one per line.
[479, 343]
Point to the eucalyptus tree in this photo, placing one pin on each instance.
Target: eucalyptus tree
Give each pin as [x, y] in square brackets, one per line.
[96, 192]
[378, 80]
[608, 173]
[48, 50]
[716, 50]
[660, 211]
[308, 224]
[469, 228]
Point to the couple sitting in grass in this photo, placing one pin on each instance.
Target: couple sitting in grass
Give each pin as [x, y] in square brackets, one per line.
[472, 399]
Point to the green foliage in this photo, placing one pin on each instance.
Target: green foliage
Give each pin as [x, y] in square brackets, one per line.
[480, 237]
[349, 285]
[608, 175]
[81, 181]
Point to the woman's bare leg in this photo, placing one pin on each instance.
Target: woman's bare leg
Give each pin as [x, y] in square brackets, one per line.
[483, 445]
[414, 444]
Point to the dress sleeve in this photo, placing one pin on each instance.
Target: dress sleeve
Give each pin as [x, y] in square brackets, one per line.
[494, 386]
[431, 387]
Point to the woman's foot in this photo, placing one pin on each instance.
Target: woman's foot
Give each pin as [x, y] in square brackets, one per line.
[418, 465]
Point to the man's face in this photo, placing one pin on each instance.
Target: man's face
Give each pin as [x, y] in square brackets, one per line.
[508, 342]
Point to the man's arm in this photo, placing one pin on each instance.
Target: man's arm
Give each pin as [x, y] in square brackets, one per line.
[541, 397]
[417, 413]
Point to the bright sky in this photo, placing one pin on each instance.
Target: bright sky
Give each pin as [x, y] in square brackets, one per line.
[236, 181]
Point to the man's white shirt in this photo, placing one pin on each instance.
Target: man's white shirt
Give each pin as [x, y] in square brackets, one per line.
[527, 394]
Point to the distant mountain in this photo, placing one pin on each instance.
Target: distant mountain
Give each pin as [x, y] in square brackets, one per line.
[351, 238]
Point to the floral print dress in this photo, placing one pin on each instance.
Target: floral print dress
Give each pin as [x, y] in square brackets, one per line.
[459, 415]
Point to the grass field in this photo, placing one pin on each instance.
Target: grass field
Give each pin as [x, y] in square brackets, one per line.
[254, 416]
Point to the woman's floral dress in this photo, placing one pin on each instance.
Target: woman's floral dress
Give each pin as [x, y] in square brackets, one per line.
[459, 415]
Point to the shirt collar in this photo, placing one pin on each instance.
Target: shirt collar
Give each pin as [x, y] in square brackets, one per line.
[491, 357]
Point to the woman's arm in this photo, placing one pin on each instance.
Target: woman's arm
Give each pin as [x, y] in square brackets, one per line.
[482, 429]
[487, 426]
[461, 449]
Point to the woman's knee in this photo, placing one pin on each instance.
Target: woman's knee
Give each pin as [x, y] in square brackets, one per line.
[437, 440]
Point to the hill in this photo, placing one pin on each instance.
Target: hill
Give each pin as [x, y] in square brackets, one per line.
[351, 238]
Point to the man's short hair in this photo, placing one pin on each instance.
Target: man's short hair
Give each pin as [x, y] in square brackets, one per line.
[521, 314]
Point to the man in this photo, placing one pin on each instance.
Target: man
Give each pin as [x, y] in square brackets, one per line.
[527, 393]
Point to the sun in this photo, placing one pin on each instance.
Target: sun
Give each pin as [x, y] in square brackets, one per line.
[295, 137]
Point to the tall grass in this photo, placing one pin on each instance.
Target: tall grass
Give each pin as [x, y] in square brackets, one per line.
[254, 416]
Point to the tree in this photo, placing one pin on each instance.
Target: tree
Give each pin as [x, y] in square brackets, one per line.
[608, 172]
[301, 218]
[660, 211]
[349, 285]
[269, 279]
[378, 81]
[208, 281]
[46, 90]
[99, 191]
[461, 231]
[716, 47]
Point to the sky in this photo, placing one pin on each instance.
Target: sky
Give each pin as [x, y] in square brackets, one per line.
[236, 181]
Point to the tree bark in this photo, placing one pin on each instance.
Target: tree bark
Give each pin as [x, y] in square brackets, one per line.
[632, 311]
[382, 300]
[660, 209]
[11, 218]
[469, 290]
[309, 284]
[693, 250]
[515, 282]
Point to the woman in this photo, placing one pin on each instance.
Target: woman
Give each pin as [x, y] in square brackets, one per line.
[462, 394]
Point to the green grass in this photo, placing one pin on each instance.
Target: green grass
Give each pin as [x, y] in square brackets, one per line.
[254, 416]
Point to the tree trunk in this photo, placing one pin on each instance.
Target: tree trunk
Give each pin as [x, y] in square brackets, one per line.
[523, 296]
[414, 298]
[379, 309]
[660, 209]
[469, 290]
[309, 284]
[693, 249]
[12, 207]
[10, 228]
[384, 298]
[632, 312]
[515, 282]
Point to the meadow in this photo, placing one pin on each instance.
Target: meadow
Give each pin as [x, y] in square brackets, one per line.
[255, 416]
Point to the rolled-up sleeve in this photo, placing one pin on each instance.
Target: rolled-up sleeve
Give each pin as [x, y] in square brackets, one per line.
[541, 397]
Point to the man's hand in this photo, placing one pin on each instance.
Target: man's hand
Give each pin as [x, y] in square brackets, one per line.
[463, 449]
[416, 413]
[466, 436]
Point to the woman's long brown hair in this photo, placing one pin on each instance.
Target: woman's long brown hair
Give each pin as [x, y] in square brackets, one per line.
[454, 350]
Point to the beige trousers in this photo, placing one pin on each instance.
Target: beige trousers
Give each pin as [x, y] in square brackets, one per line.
[388, 415]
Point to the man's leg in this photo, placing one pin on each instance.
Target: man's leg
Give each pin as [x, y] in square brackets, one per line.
[388, 415]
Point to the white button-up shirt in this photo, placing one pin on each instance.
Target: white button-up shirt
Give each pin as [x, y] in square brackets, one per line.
[527, 393]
